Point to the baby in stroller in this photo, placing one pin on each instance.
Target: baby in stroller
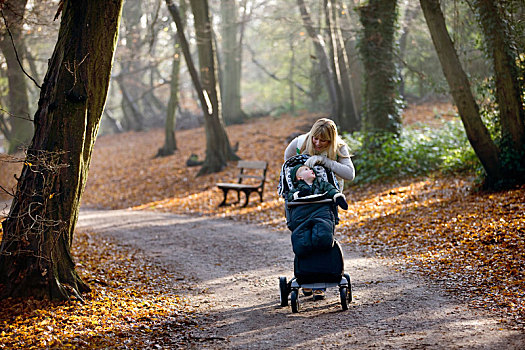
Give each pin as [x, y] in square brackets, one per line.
[312, 198]
[307, 183]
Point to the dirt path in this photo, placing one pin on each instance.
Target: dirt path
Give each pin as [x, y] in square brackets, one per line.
[235, 268]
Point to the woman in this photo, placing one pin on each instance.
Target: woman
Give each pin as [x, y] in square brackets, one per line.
[326, 148]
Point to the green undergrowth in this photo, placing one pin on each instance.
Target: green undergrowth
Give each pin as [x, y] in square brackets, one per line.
[418, 150]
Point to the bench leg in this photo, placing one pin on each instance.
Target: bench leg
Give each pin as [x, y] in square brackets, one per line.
[238, 197]
[225, 193]
[247, 195]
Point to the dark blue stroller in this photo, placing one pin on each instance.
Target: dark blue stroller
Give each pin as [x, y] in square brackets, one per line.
[317, 264]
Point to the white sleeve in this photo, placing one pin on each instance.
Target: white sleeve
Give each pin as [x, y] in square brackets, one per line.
[295, 144]
[343, 167]
[291, 150]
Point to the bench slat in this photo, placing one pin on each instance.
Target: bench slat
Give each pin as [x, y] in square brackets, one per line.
[244, 176]
[235, 186]
[251, 164]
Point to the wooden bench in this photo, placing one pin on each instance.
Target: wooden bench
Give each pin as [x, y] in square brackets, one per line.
[254, 170]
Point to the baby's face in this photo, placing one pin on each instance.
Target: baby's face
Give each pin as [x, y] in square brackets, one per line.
[305, 173]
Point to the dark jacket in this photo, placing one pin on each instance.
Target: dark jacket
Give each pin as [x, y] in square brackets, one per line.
[318, 187]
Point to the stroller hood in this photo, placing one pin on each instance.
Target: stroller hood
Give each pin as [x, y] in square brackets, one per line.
[285, 178]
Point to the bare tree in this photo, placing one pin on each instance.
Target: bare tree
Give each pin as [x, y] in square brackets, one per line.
[232, 35]
[218, 148]
[170, 143]
[477, 132]
[509, 85]
[323, 57]
[348, 118]
[17, 127]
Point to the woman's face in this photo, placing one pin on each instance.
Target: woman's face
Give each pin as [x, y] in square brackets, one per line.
[320, 144]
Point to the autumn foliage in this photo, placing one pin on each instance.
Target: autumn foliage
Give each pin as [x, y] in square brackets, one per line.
[469, 242]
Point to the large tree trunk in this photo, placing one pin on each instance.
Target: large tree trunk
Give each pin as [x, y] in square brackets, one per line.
[509, 90]
[324, 60]
[218, 148]
[232, 58]
[377, 49]
[35, 254]
[458, 82]
[20, 125]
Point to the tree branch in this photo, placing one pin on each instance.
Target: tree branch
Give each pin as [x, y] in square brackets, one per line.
[272, 75]
[16, 51]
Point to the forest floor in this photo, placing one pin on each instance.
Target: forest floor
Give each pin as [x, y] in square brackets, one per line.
[435, 264]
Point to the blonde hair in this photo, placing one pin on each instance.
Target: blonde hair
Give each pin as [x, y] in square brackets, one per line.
[324, 129]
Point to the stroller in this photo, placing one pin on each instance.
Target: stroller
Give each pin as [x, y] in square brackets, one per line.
[320, 267]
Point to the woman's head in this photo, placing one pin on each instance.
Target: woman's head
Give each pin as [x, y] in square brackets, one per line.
[322, 138]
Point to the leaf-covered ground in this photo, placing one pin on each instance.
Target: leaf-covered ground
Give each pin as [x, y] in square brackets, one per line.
[471, 243]
[133, 304]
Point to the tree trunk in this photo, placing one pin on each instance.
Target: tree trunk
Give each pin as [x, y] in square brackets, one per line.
[131, 111]
[35, 254]
[377, 49]
[21, 126]
[334, 62]
[128, 78]
[291, 87]
[324, 61]
[509, 89]
[354, 62]
[458, 82]
[349, 120]
[410, 14]
[315, 86]
[170, 142]
[232, 58]
[218, 148]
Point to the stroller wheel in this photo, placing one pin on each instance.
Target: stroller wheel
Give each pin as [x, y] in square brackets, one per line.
[349, 297]
[294, 298]
[343, 292]
[283, 291]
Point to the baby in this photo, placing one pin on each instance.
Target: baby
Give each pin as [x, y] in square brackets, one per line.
[307, 183]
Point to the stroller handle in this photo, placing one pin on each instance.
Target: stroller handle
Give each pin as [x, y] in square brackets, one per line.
[293, 204]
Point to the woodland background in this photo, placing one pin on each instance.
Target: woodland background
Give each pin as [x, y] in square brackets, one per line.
[418, 198]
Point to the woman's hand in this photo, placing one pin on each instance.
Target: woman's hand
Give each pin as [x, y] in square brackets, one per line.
[313, 160]
[321, 160]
